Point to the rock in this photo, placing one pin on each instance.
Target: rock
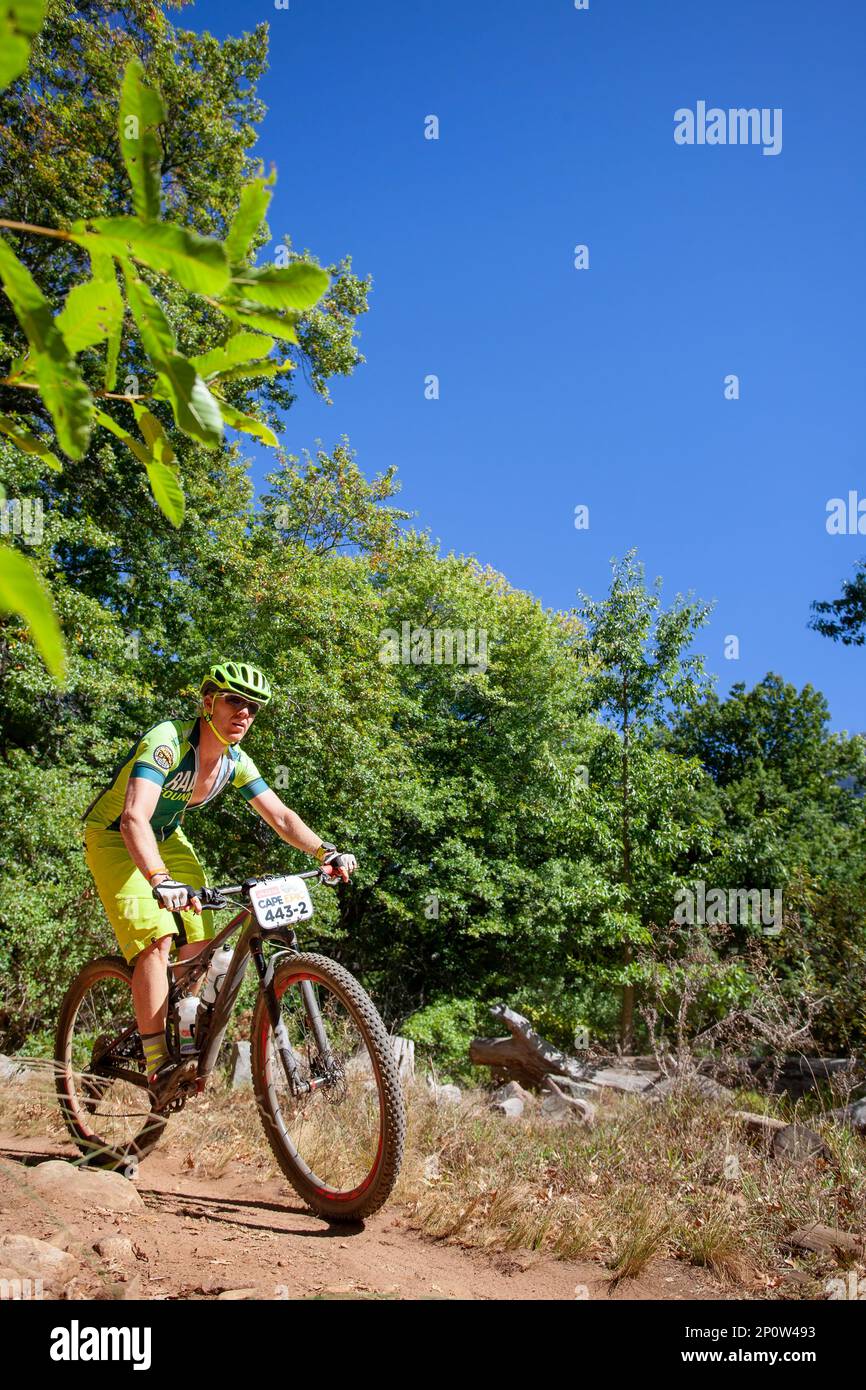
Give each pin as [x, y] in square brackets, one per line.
[561, 1107]
[795, 1276]
[619, 1080]
[133, 1289]
[696, 1085]
[449, 1095]
[852, 1115]
[238, 1294]
[826, 1240]
[582, 1112]
[578, 1090]
[75, 1236]
[28, 1258]
[512, 1091]
[759, 1124]
[512, 1107]
[116, 1250]
[65, 1184]
[797, 1144]
[554, 1106]
[404, 1054]
[240, 1073]
[15, 1069]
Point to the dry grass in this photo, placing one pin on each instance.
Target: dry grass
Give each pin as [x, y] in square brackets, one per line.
[677, 1178]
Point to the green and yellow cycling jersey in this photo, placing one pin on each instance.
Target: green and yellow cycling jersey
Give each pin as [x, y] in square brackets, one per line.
[168, 755]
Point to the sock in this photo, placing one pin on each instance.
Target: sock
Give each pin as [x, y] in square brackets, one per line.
[155, 1051]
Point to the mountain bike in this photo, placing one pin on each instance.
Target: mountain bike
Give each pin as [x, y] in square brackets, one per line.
[324, 1073]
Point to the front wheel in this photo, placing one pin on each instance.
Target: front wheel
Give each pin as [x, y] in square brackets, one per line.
[339, 1129]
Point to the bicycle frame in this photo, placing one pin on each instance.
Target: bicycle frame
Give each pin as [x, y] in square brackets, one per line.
[250, 945]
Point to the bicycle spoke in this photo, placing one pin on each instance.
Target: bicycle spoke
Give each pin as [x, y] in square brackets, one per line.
[105, 1080]
[335, 1128]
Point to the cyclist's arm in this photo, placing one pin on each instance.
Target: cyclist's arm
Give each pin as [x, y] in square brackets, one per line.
[286, 822]
[140, 804]
[135, 827]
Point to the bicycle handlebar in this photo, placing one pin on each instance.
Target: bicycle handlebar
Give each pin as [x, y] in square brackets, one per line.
[213, 898]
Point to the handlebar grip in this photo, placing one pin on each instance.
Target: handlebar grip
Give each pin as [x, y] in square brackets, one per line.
[191, 892]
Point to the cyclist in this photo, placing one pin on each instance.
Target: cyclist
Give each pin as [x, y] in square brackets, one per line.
[134, 842]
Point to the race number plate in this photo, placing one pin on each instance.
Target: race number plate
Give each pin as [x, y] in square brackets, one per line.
[279, 902]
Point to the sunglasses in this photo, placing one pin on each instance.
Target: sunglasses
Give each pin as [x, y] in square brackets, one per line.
[241, 702]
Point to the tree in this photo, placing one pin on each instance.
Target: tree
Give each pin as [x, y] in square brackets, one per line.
[203, 316]
[639, 675]
[790, 801]
[848, 623]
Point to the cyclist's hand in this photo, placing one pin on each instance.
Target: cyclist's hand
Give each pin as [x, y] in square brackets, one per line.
[175, 896]
[336, 865]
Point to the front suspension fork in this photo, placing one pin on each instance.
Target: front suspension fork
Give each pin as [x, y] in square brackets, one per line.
[296, 1082]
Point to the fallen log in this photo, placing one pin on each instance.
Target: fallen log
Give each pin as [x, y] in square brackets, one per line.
[826, 1240]
[524, 1056]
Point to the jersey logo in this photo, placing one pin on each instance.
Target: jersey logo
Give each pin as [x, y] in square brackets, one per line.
[162, 756]
[181, 782]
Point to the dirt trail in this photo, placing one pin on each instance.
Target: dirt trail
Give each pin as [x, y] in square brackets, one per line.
[198, 1239]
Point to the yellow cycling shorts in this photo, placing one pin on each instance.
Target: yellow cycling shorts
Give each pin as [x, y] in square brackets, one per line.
[128, 898]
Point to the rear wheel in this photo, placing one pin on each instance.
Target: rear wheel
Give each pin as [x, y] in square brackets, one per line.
[100, 1074]
[340, 1143]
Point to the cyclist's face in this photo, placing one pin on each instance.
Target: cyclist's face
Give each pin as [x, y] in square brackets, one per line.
[233, 714]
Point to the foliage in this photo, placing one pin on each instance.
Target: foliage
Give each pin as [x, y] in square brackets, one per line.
[848, 623]
[58, 357]
[523, 818]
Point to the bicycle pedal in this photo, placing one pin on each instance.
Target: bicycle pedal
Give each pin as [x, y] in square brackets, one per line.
[168, 1079]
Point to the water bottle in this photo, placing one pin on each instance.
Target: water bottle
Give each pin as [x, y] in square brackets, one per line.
[186, 1016]
[216, 973]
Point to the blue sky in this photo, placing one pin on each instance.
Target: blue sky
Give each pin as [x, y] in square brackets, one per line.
[604, 386]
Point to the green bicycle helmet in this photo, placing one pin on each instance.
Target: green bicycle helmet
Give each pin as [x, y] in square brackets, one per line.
[241, 678]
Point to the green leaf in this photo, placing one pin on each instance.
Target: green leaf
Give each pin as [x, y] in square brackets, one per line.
[28, 443]
[252, 208]
[166, 487]
[158, 459]
[141, 111]
[20, 21]
[111, 356]
[60, 383]
[93, 311]
[195, 410]
[23, 591]
[243, 347]
[102, 266]
[154, 434]
[251, 316]
[135, 446]
[247, 423]
[295, 286]
[253, 370]
[198, 263]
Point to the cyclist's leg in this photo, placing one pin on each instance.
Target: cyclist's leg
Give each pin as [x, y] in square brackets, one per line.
[150, 987]
[144, 931]
[137, 920]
